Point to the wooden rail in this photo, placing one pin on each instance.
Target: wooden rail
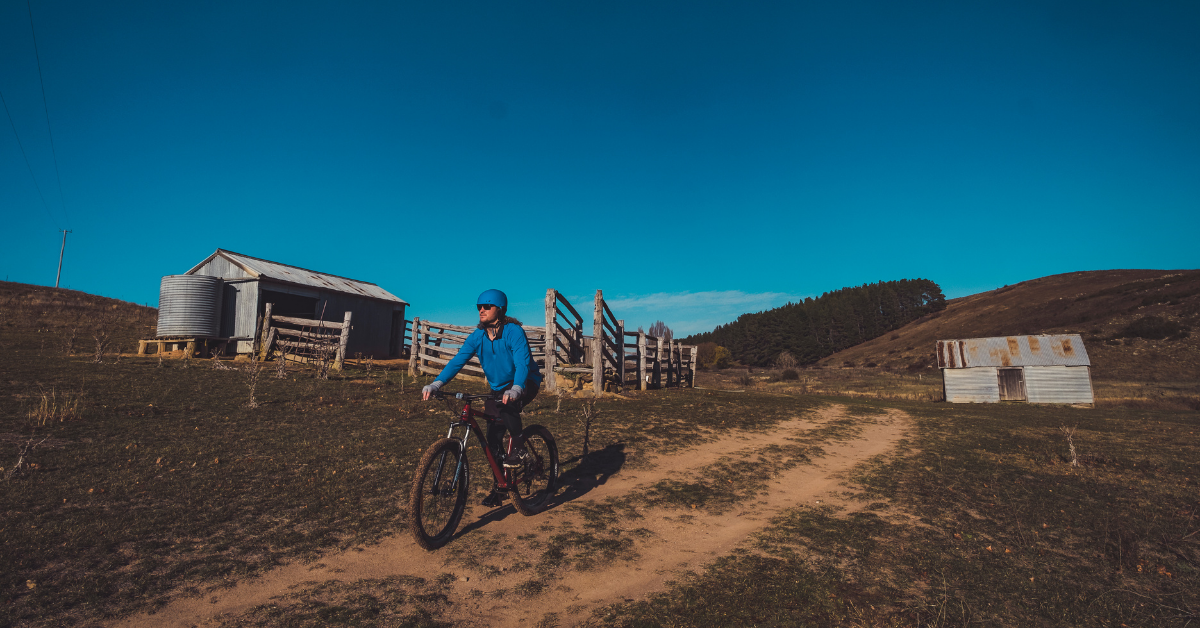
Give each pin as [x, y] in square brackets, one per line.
[565, 326]
[311, 340]
[433, 345]
[561, 347]
[646, 357]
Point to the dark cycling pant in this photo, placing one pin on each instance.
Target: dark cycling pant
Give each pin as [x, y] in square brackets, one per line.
[510, 417]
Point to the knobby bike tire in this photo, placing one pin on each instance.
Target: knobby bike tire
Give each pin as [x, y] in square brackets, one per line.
[438, 498]
[537, 479]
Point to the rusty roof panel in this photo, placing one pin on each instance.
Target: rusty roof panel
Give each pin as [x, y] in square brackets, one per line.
[1046, 350]
[264, 269]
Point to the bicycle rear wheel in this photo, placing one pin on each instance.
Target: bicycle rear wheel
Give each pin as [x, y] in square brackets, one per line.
[439, 494]
[535, 481]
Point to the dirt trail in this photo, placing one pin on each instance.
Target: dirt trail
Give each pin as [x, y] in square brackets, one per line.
[678, 543]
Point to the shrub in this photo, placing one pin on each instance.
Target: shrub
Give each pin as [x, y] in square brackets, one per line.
[721, 358]
[789, 374]
[785, 360]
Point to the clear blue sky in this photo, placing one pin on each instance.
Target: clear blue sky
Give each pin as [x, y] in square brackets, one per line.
[694, 160]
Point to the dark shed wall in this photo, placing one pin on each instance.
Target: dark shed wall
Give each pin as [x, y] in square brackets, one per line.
[371, 323]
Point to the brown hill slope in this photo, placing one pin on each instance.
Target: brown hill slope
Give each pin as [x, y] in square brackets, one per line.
[57, 320]
[1100, 305]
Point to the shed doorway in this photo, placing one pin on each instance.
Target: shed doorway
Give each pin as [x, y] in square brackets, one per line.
[289, 304]
[1012, 384]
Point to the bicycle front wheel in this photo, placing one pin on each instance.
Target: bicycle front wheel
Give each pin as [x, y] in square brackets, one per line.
[534, 482]
[439, 494]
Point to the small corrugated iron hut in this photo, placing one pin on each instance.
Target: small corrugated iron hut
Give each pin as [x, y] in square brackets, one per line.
[1037, 369]
[249, 283]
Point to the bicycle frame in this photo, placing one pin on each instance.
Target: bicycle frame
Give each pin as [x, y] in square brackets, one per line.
[466, 420]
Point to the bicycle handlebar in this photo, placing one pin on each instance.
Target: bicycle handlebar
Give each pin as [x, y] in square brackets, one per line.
[441, 395]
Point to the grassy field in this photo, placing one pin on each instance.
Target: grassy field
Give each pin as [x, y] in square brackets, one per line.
[128, 481]
[979, 519]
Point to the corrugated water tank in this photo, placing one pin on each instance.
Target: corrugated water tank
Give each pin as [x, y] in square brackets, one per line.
[189, 305]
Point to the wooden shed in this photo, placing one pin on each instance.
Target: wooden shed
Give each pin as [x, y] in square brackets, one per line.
[1036, 369]
[249, 283]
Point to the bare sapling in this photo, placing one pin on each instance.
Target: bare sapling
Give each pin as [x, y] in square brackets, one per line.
[589, 412]
[217, 364]
[280, 364]
[1069, 434]
[69, 341]
[23, 452]
[324, 349]
[252, 371]
[325, 354]
[101, 336]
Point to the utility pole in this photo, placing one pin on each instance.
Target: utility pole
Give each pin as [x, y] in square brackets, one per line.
[60, 256]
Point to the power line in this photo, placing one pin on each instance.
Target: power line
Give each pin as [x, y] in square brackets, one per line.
[46, 108]
[45, 205]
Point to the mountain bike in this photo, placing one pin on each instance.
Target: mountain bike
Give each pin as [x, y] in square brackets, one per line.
[529, 474]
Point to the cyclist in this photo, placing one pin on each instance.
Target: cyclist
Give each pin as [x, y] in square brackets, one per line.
[503, 351]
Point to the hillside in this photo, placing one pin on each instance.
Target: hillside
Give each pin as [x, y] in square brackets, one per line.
[1100, 305]
[57, 320]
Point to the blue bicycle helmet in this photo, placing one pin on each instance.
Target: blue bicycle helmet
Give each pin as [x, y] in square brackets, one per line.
[493, 297]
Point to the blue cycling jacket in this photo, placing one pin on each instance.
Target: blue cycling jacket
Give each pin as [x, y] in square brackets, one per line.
[505, 360]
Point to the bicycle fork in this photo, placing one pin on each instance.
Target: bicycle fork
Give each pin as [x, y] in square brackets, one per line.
[462, 459]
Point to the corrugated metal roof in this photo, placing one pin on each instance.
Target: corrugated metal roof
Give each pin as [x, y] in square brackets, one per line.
[265, 269]
[1046, 350]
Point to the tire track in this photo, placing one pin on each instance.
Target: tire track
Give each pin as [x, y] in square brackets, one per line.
[681, 540]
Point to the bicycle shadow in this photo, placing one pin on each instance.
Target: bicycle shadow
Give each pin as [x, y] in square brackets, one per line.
[594, 470]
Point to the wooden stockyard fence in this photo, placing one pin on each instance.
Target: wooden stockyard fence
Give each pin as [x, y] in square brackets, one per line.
[610, 355]
[315, 340]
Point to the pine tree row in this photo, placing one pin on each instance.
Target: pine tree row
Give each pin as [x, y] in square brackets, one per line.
[815, 328]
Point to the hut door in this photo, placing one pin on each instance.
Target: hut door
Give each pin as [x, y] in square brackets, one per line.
[1012, 384]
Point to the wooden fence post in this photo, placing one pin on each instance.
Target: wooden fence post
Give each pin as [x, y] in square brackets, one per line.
[667, 384]
[621, 356]
[658, 353]
[266, 332]
[598, 342]
[679, 365]
[674, 362]
[641, 353]
[414, 349]
[551, 340]
[694, 362]
[341, 350]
